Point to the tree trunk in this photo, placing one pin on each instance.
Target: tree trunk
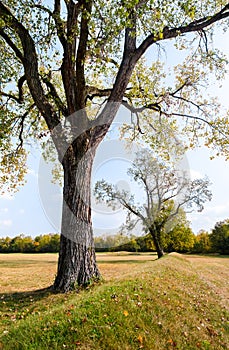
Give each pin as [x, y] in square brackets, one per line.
[157, 242]
[77, 261]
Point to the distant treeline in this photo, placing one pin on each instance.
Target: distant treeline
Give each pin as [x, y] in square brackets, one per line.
[180, 239]
[48, 243]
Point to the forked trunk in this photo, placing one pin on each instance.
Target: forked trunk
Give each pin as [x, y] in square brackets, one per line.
[77, 261]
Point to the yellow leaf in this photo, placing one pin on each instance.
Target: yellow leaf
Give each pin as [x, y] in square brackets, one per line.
[140, 339]
[160, 35]
[125, 313]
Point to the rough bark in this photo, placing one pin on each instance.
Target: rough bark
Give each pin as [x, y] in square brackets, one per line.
[77, 261]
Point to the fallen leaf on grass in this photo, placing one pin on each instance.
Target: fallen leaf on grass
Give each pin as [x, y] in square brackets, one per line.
[125, 313]
[140, 339]
[84, 320]
[172, 343]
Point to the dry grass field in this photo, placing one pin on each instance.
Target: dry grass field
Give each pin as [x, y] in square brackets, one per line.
[178, 302]
[28, 272]
[215, 272]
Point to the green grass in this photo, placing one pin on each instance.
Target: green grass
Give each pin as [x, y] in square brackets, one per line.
[162, 304]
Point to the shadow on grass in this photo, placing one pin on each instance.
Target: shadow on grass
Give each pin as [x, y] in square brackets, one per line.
[109, 261]
[16, 305]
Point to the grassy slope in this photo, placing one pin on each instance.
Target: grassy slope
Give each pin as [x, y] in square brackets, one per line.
[164, 304]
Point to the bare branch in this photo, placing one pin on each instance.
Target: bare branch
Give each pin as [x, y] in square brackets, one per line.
[157, 108]
[10, 96]
[197, 118]
[131, 209]
[154, 106]
[18, 99]
[22, 120]
[60, 24]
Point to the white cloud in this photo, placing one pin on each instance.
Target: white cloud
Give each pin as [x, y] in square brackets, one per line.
[217, 209]
[22, 211]
[209, 216]
[6, 223]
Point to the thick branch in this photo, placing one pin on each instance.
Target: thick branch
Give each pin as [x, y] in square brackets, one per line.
[195, 26]
[20, 86]
[30, 63]
[68, 65]
[81, 53]
[54, 94]
[93, 91]
[128, 62]
[60, 25]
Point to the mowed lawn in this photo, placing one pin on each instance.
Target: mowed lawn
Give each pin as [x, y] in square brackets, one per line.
[178, 302]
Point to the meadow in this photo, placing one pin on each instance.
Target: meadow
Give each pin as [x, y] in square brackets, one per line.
[177, 302]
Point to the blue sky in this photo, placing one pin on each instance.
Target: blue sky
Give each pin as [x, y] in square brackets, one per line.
[36, 208]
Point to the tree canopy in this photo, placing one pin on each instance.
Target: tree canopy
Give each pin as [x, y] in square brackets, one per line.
[60, 57]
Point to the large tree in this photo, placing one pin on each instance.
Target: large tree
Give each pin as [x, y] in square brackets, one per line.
[167, 190]
[60, 57]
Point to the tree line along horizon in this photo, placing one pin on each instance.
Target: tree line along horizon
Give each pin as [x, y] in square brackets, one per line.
[180, 239]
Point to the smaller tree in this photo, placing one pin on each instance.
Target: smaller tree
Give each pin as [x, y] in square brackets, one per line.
[166, 190]
[220, 237]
